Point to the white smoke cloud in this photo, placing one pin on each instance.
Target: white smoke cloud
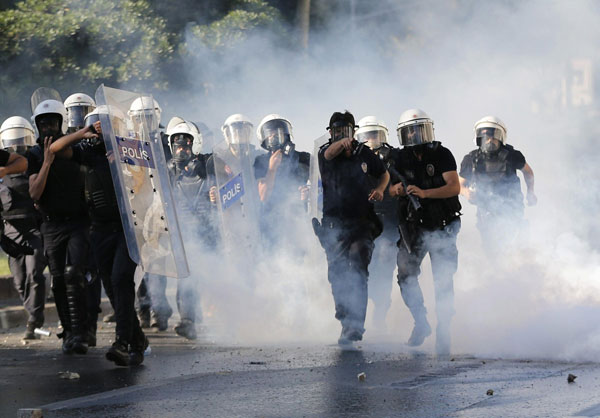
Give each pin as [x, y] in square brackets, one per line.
[458, 62]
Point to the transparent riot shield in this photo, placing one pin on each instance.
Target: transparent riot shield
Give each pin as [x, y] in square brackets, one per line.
[237, 197]
[315, 197]
[142, 185]
[44, 93]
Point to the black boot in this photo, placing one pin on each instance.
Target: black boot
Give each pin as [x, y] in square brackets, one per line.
[62, 308]
[77, 314]
[118, 353]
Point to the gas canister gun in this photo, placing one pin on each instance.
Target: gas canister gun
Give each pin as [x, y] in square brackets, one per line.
[384, 154]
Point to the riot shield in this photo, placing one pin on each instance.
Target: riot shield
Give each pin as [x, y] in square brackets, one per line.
[44, 93]
[315, 197]
[141, 179]
[237, 197]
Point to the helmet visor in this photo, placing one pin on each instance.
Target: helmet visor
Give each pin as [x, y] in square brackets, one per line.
[238, 133]
[374, 138]
[76, 116]
[485, 133]
[144, 119]
[341, 132]
[419, 133]
[275, 133]
[26, 140]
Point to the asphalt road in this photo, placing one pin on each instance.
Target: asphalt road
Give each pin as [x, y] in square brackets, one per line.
[183, 379]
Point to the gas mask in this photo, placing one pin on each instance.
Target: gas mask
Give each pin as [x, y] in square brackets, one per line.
[49, 126]
[489, 139]
[181, 149]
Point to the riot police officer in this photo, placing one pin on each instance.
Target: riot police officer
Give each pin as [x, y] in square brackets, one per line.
[192, 177]
[281, 174]
[374, 134]
[488, 177]
[56, 185]
[349, 224]
[113, 262]
[78, 105]
[21, 238]
[429, 223]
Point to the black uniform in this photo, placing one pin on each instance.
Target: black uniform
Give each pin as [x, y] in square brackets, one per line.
[433, 230]
[115, 268]
[349, 227]
[283, 207]
[21, 224]
[498, 194]
[65, 235]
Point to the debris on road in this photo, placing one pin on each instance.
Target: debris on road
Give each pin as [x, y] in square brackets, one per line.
[571, 378]
[362, 377]
[68, 375]
[43, 332]
[490, 392]
[258, 362]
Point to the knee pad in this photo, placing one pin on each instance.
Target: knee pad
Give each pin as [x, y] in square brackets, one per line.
[74, 275]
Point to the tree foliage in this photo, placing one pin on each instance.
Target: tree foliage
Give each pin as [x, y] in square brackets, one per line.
[74, 45]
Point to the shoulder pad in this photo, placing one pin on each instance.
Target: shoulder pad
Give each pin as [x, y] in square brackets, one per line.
[435, 145]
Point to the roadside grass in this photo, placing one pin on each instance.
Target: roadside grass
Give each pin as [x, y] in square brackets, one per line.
[4, 270]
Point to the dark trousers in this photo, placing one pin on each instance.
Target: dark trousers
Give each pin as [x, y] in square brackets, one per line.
[117, 268]
[27, 270]
[66, 243]
[441, 246]
[349, 248]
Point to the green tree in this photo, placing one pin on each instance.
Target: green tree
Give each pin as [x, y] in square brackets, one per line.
[76, 45]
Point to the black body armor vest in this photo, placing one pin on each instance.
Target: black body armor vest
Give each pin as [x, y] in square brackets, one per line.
[14, 194]
[62, 198]
[435, 213]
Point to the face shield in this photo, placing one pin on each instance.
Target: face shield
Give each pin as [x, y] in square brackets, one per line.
[341, 131]
[76, 116]
[489, 139]
[374, 138]
[16, 140]
[416, 134]
[238, 133]
[275, 134]
[144, 121]
[49, 125]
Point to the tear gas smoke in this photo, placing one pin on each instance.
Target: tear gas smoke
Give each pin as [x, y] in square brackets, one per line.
[526, 62]
[530, 63]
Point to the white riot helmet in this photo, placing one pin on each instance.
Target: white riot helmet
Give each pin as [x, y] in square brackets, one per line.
[45, 111]
[117, 118]
[372, 132]
[486, 130]
[237, 129]
[274, 132]
[207, 139]
[16, 134]
[143, 110]
[415, 127]
[182, 137]
[78, 105]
